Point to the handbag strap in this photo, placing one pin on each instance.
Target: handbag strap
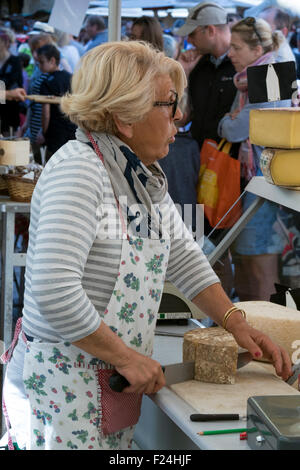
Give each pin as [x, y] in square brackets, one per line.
[224, 146]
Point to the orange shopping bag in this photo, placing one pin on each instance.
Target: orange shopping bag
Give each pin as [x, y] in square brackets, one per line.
[219, 183]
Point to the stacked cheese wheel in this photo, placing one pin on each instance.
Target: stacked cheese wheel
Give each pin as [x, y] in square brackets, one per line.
[281, 324]
[277, 129]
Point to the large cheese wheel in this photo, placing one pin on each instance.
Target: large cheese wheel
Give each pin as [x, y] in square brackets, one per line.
[281, 167]
[215, 353]
[275, 127]
[281, 324]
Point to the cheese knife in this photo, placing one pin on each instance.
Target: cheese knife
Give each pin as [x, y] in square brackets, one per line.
[174, 373]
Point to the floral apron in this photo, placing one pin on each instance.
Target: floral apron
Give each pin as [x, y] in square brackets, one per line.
[72, 405]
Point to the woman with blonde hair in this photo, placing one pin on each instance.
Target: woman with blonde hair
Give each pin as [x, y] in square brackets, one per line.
[257, 247]
[104, 234]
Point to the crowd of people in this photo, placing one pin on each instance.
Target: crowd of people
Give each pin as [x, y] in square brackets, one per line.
[133, 127]
[215, 49]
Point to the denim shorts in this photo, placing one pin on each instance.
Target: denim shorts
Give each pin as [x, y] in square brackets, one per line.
[259, 236]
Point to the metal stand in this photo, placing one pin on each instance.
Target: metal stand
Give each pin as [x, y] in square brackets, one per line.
[9, 260]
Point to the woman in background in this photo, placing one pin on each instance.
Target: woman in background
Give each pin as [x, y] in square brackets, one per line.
[148, 29]
[257, 247]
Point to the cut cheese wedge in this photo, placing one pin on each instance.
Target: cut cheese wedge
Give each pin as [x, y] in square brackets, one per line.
[281, 324]
[281, 167]
[275, 127]
[215, 353]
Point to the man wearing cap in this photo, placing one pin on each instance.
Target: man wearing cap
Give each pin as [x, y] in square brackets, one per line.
[211, 88]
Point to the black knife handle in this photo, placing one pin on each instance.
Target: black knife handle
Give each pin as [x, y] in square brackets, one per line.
[215, 417]
[117, 382]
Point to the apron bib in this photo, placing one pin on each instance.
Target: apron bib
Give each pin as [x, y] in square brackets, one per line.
[72, 405]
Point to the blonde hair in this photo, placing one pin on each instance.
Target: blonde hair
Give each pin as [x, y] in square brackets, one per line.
[118, 78]
[259, 33]
[8, 36]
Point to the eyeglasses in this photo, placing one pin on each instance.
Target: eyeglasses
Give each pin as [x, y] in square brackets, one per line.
[251, 21]
[169, 103]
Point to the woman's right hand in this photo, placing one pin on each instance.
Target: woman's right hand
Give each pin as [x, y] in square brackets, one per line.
[144, 374]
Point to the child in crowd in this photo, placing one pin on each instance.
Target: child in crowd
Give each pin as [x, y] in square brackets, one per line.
[56, 128]
[25, 60]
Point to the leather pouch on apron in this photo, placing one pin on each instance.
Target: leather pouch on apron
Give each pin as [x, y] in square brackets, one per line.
[119, 410]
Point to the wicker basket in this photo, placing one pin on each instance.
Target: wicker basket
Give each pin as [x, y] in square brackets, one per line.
[3, 186]
[20, 189]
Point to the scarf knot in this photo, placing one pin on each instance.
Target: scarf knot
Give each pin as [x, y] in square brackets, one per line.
[133, 182]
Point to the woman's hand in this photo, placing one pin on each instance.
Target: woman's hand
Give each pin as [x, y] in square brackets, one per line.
[259, 344]
[17, 94]
[144, 374]
[233, 115]
[188, 60]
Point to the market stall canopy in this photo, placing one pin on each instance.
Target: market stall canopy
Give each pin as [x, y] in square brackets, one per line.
[176, 9]
[292, 7]
[160, 4]
[30, 7]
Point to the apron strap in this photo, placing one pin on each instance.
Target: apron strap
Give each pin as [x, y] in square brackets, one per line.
[5, 358]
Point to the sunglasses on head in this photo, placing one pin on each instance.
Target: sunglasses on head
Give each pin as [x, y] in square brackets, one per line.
[174, 103]
[251, 21]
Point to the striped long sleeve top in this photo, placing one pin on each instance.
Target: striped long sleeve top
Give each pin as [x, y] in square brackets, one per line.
[72, 264]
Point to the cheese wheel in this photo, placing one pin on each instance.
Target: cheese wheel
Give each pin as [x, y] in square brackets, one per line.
[281, 324]
[215, 353]
[14, 151]
[275, 127]
[281, 167]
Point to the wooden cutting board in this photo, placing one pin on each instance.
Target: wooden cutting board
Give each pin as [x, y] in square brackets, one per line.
[252, 380]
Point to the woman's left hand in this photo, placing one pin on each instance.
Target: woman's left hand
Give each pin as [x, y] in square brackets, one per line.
[234, 113]
[259, 344]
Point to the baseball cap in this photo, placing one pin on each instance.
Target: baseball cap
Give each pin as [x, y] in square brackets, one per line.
[40, 27]
[203, 14]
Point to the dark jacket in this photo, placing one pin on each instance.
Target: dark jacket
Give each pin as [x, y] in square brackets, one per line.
[182, 166]
[211, 94]
[11, 75]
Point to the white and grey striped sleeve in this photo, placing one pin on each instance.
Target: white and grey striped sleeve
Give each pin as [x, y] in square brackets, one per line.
[68, 199]
[188, 267]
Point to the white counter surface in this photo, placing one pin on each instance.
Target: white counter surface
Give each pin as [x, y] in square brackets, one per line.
[168, 350]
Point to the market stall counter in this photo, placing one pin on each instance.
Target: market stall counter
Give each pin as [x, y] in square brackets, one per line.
[165, 422]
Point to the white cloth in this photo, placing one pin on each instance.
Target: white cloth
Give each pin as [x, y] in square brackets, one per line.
[72, 56]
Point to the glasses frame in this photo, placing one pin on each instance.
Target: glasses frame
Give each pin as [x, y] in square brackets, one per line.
[169, 103]
[251, 21]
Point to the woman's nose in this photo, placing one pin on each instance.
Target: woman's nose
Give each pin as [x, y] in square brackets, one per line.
[178, 115]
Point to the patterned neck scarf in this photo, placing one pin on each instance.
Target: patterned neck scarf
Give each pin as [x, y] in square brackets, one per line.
[138, 189]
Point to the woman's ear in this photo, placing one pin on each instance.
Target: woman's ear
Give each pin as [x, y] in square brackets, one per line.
[259, 51]
[125, 130]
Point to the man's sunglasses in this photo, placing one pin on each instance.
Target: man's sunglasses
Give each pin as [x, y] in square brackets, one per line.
[251, 21]
[169, 103]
